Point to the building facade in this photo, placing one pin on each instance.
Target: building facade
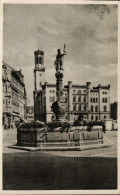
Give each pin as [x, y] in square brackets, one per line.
[14, 96]
[92, 103]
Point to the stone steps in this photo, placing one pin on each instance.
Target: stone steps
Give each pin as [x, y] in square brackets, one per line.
[68, 148]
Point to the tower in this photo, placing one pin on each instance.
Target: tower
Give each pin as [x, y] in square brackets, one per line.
[39, 79]
[39, 71]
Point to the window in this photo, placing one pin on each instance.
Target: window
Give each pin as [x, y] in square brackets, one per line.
[106, 100]
[91, 108]
[84, 99]
[50, 99]
[74, 108]
[84, 91]
[91, 100]
[96, 99]
[104, 116]
[103, 92]
[79, 99]
[91, 117]
[96, 108]
[103, 100]
[79, 108]
[104, 108]
[74, 99]
[84, 108]
[96, 118]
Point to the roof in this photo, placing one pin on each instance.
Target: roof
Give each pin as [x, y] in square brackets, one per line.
[76, 86]
[94, 90]
[4, 63]
[102, 87]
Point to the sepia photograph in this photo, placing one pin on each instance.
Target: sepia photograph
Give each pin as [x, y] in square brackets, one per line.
[60, 96]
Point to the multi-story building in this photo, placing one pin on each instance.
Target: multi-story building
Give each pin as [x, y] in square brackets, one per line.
[14, 95]
[91, 103]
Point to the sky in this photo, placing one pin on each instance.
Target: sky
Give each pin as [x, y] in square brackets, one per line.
[88, 31]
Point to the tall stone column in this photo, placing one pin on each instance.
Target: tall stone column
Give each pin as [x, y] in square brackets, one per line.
[60, 106]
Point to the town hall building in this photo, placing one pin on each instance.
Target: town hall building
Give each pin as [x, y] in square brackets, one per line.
[92, 103]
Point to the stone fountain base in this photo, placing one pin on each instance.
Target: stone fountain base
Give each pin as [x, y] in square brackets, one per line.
[35, 138]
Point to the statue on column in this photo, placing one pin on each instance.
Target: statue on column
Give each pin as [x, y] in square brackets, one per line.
[59, 60]
[59, 107]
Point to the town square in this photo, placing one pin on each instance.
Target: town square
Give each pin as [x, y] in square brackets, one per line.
[59, 116]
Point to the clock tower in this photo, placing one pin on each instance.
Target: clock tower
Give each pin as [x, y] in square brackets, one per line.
[39, 80]
[39, 71]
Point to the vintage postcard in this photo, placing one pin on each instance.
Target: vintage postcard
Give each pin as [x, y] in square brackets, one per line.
[59, 97]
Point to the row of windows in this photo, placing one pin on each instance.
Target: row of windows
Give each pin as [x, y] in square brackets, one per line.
[79, 108]
[104, 100]
[79, 91]
[79, 99]
[104, 92]
[51, 91]
[17, 97]
[52, 99]
[17, 85]
[96, 108]
[94, 94]
[96, 117]
[95, 100]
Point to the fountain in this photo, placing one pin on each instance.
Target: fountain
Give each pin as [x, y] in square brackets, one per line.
[60, 106]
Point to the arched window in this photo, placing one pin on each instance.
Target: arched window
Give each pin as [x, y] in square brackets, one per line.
[91, 117]
[79, 108]
[106, 100]
[74, 99]
[91, 100]
[79, 99]
[96, 108]
[96, 118]
[104, 108]
[84, 108]
[74, 108]
[91, 108]
[84, 99]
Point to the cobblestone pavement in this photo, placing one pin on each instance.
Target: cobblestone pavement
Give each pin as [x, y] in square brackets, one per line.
[94, 169]
[40, 171]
